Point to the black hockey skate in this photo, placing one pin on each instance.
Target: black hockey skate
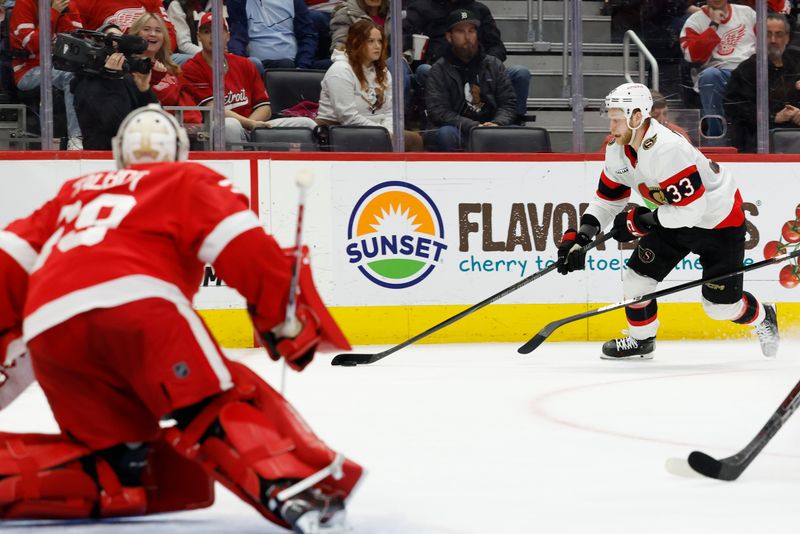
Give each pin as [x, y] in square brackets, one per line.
[629, 348]
[767, 331]
[310, 511]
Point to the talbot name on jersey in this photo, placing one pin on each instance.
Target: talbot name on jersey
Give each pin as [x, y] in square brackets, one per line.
[100, 181]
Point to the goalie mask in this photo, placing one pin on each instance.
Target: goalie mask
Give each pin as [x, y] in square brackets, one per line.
[147, 135]
[629, 97]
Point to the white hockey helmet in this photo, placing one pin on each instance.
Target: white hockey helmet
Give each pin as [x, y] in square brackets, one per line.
[629, 97]
[149, 134]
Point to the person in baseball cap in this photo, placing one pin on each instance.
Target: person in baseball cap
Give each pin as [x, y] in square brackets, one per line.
[205, 18]
[460, 16]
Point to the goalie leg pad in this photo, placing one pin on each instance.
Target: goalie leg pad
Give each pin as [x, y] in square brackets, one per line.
[48, 476]
[254, 442]
[45, 477]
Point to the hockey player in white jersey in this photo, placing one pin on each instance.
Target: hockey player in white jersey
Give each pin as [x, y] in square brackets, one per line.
[696, 207]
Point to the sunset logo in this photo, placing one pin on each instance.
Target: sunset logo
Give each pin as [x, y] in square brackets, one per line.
[395, 235]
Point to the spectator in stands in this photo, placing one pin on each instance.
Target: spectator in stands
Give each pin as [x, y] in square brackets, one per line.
[279, 33]
[351, 11]
[103, 100]
[122, 13]
[659, 112]
[166, 81]
[183, 14]
[320, 12]
[64, 17]
[357, 89]
[246, 101]
[783, 71]
[467, 88]
[429, 17]
[717, 39]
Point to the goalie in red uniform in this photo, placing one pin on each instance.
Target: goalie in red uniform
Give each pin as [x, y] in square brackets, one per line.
[111, 265]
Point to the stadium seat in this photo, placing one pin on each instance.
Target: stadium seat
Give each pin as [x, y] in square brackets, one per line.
[284, 139]
[509, 139]
[359, 139]
[784, 141]
[288, 87]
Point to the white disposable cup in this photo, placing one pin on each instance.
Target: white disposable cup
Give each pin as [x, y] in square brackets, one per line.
[420, 44]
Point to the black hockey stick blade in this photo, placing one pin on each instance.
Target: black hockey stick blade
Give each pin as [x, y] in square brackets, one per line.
[350, 360]
[353, 359]
[711, 467]
[545, 332]
[730, 468]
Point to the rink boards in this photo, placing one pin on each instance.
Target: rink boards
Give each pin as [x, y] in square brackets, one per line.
[400, 243]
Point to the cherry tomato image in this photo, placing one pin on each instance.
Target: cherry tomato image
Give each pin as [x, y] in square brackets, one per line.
[773, 248]
[791, 232]
[789, 277]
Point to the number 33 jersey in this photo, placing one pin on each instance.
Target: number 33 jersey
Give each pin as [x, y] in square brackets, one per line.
[670, 174]
[110, 238]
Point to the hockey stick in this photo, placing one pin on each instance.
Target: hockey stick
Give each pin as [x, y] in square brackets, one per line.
[303, 179]
[365, 359]
[16, 379]
[545, 332]
[731, 467]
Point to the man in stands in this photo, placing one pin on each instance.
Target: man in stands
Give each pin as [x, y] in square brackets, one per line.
[430, 17]
[279, 33]
[717, 39]
[467, 88]
[694, 206]
[246, 101]
[64, 17]
[783, 86]
[111, 264]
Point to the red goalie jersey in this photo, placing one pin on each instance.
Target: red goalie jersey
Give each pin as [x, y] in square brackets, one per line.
[133, 245]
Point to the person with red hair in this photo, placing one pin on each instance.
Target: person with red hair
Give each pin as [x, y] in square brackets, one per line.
[357, 88]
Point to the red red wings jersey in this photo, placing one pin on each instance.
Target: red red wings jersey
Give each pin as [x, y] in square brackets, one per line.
[244, 89]
[689, 189]
[123, 13]
[25, 31]
[110, 238]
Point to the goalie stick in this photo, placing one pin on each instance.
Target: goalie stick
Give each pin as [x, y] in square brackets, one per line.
[303, 179]
[731, 467]
[545, 332]
[352, 359]
[15, 379]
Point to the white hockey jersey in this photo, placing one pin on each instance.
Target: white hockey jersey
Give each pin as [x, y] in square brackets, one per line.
[689, 189]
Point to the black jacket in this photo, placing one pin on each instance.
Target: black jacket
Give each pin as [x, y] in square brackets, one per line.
[102, 103]
[740, 96]
[427, 17]
[445, 98]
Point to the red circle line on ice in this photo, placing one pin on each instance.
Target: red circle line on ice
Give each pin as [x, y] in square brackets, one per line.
[539, 409]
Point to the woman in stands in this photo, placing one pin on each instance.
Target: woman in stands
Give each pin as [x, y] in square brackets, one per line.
[350, 11]
[357, 89]
[167, 82]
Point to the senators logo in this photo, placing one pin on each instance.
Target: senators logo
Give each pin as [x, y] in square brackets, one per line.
[654, 194]
[648, 143]
[645, 254]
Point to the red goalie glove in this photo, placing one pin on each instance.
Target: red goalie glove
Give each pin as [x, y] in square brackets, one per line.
[317, 329]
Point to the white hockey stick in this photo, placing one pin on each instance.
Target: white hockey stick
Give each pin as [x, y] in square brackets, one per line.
[303, 179]
[15, 379]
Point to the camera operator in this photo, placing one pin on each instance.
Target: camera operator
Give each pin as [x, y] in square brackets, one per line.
[103, 99]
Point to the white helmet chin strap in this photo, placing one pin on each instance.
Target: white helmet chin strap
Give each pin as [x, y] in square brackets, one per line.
[633, 128]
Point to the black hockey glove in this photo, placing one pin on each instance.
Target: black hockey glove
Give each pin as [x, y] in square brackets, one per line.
[571, 256]
[635, 223]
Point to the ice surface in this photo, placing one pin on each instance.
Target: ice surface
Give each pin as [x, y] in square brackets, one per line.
[478, 439]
